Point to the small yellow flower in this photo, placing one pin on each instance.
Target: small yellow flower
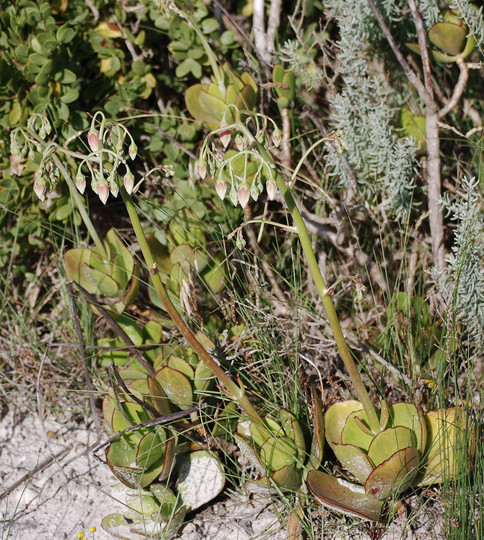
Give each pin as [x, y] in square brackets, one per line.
[92, 529]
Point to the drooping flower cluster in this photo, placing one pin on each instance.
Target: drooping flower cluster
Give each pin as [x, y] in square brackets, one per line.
[107, 142]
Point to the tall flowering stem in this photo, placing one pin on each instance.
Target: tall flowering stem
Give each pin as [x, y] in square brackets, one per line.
[323, 291]
[233, 390]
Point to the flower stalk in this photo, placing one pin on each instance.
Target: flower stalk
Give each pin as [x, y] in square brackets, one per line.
[234, 391]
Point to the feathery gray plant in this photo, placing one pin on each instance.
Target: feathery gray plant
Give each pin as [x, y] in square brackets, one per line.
[474, 18]
[462, 283]
[383, 163]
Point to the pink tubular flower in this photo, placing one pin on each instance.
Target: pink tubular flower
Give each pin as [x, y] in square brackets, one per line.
[225, 137]
[243, 194]
[221, 188]
[93, 139]
[103, 192]
[271, 188]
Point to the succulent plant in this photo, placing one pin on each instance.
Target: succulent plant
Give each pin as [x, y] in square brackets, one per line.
[410, 449]
[158, 512]
[451, 37]
[210, 103]
[278, 448]
[284, 85]
[185, 255]
[113, 278]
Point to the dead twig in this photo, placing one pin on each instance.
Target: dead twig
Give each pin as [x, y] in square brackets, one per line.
[436, 220]
[167, 418]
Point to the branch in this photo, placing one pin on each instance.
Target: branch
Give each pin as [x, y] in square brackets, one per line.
[412, 76]
[458, 89]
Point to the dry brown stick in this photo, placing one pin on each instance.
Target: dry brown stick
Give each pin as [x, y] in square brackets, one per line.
[422, 43]
[458, 89]
[150, 423]
[42, 465]
[436, 220]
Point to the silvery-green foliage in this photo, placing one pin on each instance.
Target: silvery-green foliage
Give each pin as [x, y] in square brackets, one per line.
[383, 163]
[299, 61]
[463, 281]
[474, 20]
[430, 11]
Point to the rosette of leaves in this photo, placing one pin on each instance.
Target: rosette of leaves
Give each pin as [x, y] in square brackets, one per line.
[211, 103]
[181, 375]
[186, 256]
[158, 512]
[410, 449]
[278, 448]
[142, 455]
[451, 37]
[113, 278]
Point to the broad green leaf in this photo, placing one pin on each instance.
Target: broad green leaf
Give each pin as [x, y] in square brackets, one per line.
[343, 496]
[393, 475]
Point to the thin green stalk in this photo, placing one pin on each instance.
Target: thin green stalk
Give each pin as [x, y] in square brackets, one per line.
[80, 206]
[305, 240]
[234, 391]
[343, 349]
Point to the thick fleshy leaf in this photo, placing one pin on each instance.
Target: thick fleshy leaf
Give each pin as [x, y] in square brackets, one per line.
[448, 37]
[214, 105]
[260, 434]
[449, 443]
[176, 386]
[393, 475]
[414, 126]
[357, 432]
[407, 415]
[354, 460]
[386, 443]
[118, 526]
[288, 477]
[203, 378]
[158, 397]
[175, 362]
[198, 109]
[151, 448]
[335, 419]
[317, 444]
[201, 479]
[277, 452]
[343, 496]
[293, 431]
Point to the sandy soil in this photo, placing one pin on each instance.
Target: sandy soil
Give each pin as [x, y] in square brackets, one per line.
[57, 498]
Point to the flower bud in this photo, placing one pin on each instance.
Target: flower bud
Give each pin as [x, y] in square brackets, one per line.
[271, 188]
[80, 182]
[240, 142]
[93, 139]
[225, 137]
[276, 138]
[243, 195]
[40, 186]
[221, 188]
[132, 151]
[103, 191]
[128, 182]
[202, 168]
